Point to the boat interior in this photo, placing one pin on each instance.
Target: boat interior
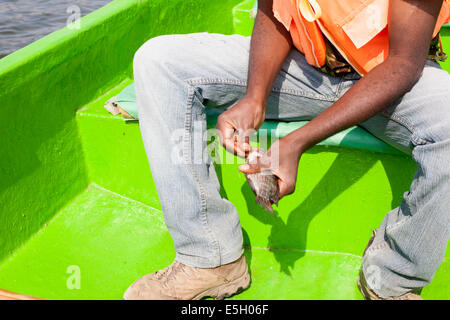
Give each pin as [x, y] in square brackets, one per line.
[79, 213]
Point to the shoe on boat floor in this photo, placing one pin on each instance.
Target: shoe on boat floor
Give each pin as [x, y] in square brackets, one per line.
[181, 282]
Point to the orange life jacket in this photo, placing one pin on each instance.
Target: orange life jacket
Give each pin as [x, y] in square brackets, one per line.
[357, 28]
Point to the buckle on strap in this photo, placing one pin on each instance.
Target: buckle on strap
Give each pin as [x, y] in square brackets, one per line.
[310, 10]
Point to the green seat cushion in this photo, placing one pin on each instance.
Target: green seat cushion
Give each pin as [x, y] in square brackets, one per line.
[127, 101]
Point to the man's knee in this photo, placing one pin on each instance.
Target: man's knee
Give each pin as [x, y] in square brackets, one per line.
[155, 52]
[441, 129]
[425, 107]
[436, 132]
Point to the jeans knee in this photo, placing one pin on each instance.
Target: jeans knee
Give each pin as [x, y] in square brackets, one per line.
[442, 130]
[155, 52]
[436, 134]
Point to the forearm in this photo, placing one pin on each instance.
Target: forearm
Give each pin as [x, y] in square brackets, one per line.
[376, 91]
[270, 45]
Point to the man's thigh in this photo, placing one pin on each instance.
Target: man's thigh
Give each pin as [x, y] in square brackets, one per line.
[216, 66]
[421, 116]
[301, 92]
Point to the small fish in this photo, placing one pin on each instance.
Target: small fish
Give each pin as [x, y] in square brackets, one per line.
[263, 184]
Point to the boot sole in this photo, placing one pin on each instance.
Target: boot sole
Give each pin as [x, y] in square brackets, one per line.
[226, 290]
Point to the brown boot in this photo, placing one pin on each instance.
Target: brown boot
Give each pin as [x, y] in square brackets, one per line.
[369, 294]
[181, 282]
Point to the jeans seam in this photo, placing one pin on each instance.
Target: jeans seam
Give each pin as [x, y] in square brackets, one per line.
[219, 81]
[339, 87]
[186, 155]
[415, 139]
[398, 224]
[342, 80]
[399, 120]
[378, 246]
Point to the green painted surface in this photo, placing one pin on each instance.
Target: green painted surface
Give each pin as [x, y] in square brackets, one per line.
[243, 14]
[114, 151]
[76, 189]
[42, 86]
[112, 240]
[445, 35]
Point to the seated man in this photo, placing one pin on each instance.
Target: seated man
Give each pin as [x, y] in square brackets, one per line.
[298, 65]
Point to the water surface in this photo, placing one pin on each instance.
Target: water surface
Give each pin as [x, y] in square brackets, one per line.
[25, 21]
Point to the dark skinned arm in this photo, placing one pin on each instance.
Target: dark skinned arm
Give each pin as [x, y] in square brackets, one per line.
[269, 47]
[270, 44]
[411, 25]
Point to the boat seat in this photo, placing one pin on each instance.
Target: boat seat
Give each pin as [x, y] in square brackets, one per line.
[354, 137]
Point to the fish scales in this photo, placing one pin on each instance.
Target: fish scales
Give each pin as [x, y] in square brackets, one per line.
[263, 184]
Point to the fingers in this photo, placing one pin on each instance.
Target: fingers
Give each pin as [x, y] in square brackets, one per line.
[242, 143]
[232, 146]
[226, 134]
[248, 168]
[257, 164]
[286, 188]
[243, 140]
[235, 140]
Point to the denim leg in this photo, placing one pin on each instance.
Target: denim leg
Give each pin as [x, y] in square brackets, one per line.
[176, 77]
[205, 228]
[411, 242]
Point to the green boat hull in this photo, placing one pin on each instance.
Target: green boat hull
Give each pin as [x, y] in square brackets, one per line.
[79, 212]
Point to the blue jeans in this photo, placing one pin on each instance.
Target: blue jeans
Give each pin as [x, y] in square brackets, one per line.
[178, 76]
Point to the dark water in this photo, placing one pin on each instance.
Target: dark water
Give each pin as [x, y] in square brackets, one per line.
[25, 21]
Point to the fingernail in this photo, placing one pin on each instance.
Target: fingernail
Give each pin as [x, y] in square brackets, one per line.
[244, 167]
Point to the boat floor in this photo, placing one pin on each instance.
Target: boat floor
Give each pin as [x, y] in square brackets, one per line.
[107, 239]
[135, 241]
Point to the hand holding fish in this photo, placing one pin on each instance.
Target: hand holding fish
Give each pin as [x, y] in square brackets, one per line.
[282, 161]
[238, 123]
